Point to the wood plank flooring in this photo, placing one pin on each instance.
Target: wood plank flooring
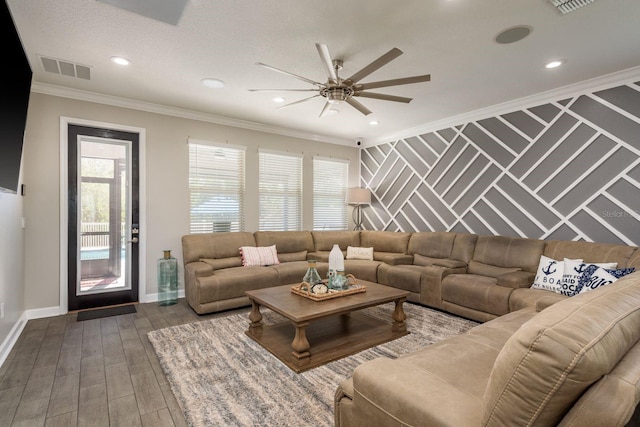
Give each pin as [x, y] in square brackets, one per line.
[100, 372]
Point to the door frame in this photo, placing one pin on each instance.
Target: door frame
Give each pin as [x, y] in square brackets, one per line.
[64, 199]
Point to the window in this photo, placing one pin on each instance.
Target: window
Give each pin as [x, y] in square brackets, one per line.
[330, 180]
[216, 187]
[280, 187]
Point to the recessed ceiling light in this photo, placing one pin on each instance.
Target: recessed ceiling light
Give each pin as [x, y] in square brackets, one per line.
[278, 99]
[555, 64]
[374, 122]
[212, 83]
[120, 60]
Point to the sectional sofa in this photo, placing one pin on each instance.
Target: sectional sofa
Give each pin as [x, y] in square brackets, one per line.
[538, 358]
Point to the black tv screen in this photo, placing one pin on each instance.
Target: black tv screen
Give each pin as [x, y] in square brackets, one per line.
[14, 101]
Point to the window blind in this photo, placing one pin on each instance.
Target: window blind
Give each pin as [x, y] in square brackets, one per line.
[280, 188]
[216, 187]
[330, 180]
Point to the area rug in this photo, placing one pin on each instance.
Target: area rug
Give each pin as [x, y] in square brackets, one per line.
[221, 377]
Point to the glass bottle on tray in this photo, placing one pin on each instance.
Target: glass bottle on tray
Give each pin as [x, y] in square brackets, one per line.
[312, 276]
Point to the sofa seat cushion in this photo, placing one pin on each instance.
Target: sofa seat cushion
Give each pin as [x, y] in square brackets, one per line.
[221, 263]
[290, 273]
[476, 292]
[233, 282]
[292, 256]
[528, 298]
[546, 366]
[363, 270]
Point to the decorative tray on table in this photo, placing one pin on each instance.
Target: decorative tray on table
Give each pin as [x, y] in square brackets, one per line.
[304, 289]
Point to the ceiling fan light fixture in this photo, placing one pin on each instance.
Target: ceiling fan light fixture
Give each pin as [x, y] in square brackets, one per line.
[336, 94]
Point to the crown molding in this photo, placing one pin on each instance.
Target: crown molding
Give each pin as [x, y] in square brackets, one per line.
[587, 86]
[81, 95]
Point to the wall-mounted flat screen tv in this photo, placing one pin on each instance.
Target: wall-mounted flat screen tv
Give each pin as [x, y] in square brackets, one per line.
[14, 101]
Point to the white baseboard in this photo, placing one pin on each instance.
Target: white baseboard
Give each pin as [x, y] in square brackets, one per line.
[39, 313]
[12, 338]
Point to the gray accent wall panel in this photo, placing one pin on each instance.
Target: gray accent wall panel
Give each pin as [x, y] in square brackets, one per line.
[423, 150]
[546, 112]
[447, 134]
[524, 123]
[505, 134]
[568, 169]
[542, 145]
[488, 145]
[611, 121]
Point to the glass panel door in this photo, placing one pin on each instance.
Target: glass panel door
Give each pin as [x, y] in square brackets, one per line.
[104, 216]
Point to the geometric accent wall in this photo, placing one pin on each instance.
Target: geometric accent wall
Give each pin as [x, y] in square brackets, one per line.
[568, 170]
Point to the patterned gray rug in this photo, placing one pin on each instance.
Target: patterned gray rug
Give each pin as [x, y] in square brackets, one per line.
[221, 377]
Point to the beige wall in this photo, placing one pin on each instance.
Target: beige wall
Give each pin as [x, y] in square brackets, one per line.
[166, 175]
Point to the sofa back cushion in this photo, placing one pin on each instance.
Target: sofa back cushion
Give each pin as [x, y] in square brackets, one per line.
[589, 252]
[463, 247]
[324, 240]
[489, 270]
[431, 244]
[546, 366]
[215, 246]
[285, 241]
[385, 241]
[509, 252]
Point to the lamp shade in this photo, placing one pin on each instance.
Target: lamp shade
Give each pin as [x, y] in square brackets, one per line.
[358, 196]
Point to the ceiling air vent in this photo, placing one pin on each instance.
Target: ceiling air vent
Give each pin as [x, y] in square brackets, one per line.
[566, 6]
[66, 68]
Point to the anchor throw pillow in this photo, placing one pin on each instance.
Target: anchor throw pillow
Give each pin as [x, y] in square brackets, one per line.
[549, 274]
[573, 271]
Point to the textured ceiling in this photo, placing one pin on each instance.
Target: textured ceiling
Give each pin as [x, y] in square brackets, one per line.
[453, 40]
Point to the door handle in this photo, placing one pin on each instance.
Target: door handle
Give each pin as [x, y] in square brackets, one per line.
[133, 240]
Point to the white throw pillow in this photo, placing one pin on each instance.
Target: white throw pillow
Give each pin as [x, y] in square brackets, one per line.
[261, 255]
[549, 274]
[573, 270]
[355, 252]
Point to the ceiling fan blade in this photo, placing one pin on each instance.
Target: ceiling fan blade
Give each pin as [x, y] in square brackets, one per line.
[327, 62]
[383, 97]
[325, 110]
[394, 82]
[297, 102]
[358, 106]
[304, 79]
[378, 63]
[283, 90]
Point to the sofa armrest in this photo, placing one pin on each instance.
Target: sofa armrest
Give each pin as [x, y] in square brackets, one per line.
[450, 263]
[516, 279]
[198, 269]
[398, 259]
[548, 301]
[407, 395]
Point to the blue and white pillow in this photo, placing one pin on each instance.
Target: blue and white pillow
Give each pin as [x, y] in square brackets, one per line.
[549, 274]
[594, 277]
[573, 271]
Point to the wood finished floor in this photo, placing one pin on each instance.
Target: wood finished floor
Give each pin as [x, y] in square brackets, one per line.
[100, 372]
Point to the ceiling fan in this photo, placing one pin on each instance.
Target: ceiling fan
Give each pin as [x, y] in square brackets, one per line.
[337, 89]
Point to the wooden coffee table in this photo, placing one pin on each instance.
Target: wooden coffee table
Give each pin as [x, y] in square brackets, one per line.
[318, 332]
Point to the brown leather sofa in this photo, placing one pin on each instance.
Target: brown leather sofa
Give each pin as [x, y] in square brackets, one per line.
[550, 360]
[539, 358]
